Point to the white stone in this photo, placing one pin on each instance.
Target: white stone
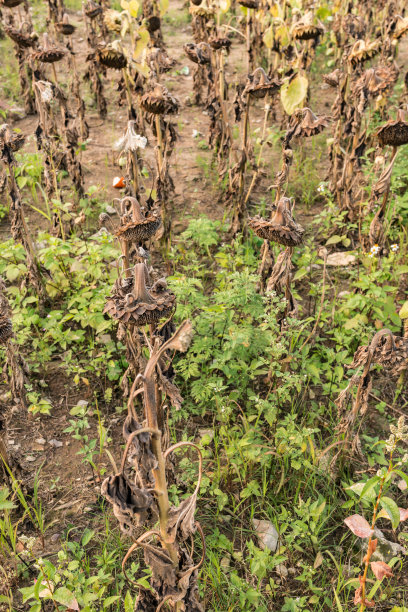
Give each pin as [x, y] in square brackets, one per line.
[341, 258]
[267, 534]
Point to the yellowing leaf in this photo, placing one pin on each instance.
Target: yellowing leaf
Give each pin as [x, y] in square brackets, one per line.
[142, 69]
[133, 7]
[124, 4]
[163, 6]
[224, 6]
[282, 35]
[293, 93]
[142, 43]
[268, 38]
[403, 313]
[277, 11]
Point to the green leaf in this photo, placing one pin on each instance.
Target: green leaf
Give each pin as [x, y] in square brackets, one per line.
[334, 239]
[369, 486]
[7, 505]
[128, 603]
[66, 598]
[300, 273]
[358, 487]
[12, 273]
[392, 510]
[402, 475]
[110, 600]
[293, 93]
[88, 535]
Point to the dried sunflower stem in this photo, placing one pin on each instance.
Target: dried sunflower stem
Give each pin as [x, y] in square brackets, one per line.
[159, 473]
[54, 72]
[320, 307]
[248, 39]
[159, 145]
[221, 84]
[258, 161]
[135, 169]
[125, 252]
[128, 93]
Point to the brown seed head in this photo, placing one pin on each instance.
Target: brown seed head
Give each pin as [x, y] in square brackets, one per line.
[259, 84]
[306, 29]
[132, 303]
[48, 53]
[394, 133]
[281, 228]
[22, 36]
[159, 101]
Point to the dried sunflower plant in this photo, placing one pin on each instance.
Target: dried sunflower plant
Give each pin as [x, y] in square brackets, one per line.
[139, 496]
[15, 366]
[10, 143]
[282, 228]
[385, 349]
[138, 492]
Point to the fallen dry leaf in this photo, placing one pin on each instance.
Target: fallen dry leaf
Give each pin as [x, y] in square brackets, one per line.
[359, 526]
[381, 570]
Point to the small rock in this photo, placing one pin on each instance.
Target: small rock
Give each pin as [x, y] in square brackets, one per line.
[267, 535]
[110, 210]
[341, 258]
[402, 485]
[55, 443]
[38, 447]
[282, 571]
[206, 435]
[55, 537]
[30, 458]
[385, 550]
[16, 112]
[105, 338]
[41, 441]
[102, 232]
[41, 244]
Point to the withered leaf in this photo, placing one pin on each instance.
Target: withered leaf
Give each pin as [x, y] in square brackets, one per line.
[358, 525]
[128, 501]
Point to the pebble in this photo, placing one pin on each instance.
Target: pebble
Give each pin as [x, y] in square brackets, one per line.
[55, 443]
[41, 441]
[267, 534]
[282, 571]
[402, 485]
[206, 435]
